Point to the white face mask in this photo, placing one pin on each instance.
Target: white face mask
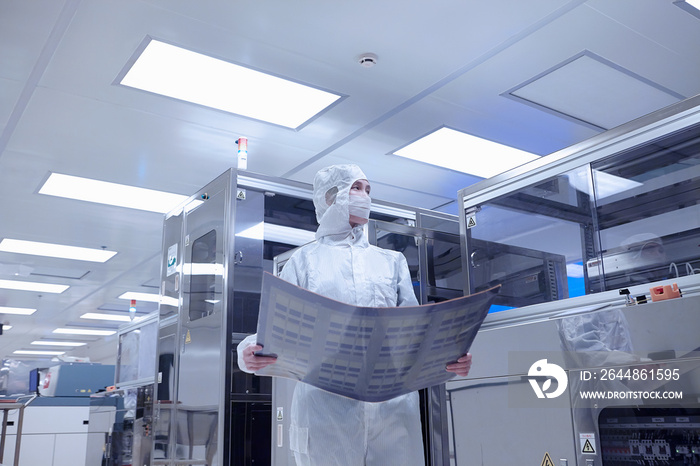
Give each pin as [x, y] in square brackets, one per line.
[359, 206]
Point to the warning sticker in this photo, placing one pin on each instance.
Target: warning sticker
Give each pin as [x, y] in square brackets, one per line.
[188, 338]
[588, 444]
[547, 461]
[471, 221]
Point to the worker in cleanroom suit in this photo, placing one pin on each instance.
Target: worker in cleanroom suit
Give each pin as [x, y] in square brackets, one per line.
[329, 429]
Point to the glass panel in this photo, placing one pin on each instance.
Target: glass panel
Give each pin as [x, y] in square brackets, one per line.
[136, 353]
[648, 212]
[438, 253]
[534, 241]
[408, 246]
[445, 276]
[128, 357]
[203, 284]
[439, 223]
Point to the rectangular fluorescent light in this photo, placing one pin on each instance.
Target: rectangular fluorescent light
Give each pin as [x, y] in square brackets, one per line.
[278, 233]
[84, 331]
[55, 250]
[605, 184]
[99, 316]
[287, 235]
[103, 192]
[39, 353]
[20, 311]
[203, 269]
[57, 343]
[147, 297]
[465, 153]
[691, 6]
[170, 301]
[33, 286]
[257, 231]
[185, 75]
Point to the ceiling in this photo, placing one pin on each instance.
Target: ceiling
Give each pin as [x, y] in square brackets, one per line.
[539, 75]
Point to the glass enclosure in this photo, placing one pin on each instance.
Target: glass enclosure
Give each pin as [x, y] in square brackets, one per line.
[136, 352]
[647, 210]
[627, 218]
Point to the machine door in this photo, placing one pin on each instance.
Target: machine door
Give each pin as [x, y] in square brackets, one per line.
[201, 323]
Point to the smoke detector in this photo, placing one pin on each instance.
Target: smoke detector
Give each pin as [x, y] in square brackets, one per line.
[367, 60]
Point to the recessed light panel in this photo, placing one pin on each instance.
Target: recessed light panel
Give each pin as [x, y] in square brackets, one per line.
[288, 235]
[691, 6]
[203, 269]
[465, 153]
[55, 250]
[278, 234]
[595, 91]
[84, 331]
[58, 343]
[148, 297]
[103, 192]
[111, 317]
[17, 311]
[185, 75]
[39, 353]
[606, 184]
[33, 286]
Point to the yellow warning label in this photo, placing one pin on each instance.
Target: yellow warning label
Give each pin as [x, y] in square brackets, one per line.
[587, 443]
[547, 461]
[188, 338]
[587, 447]
[471, 222]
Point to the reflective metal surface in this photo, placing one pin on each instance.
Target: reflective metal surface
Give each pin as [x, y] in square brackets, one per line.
[192, 345]
[196, 414]
[207, 411]
[496, 415]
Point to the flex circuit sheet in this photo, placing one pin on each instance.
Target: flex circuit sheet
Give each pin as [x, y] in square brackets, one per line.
[365, 353]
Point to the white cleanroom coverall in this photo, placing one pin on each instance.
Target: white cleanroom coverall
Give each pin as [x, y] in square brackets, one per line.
[329, 429]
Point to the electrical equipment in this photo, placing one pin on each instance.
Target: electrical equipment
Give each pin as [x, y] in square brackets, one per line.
[649, 436]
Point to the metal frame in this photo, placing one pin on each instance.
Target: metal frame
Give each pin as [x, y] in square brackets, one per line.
[657, 124]
[6, 408]
[662, 123]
